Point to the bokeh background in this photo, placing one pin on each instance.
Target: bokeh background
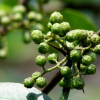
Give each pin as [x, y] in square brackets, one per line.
[20, 61]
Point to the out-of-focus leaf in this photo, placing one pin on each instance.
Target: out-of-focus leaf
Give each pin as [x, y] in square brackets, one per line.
[16, 91]
[78, 20]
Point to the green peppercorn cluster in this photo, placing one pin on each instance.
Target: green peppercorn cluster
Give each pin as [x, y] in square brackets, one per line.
[18, 19]
[79, 46]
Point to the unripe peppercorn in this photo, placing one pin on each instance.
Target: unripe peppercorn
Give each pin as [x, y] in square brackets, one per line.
[28, 82]
[17, 17]
[95, 39]
[41, 82]
[52, 58]
[78, 32]
[37, 36]
[5, 20]
[84, 35]
[97, 49]
[26, 37]
[64, 82]
[49, 26]
[3, 53]
[19, 9]
[75, 55]
[40, 60]
[39, 17]
[56, 17]
[91, 69]
[43, 48]
[66, 71]
[65, 27]
[86, 60]
[71, 36]
[56, 29]
[35, 75]
[78, 83]
[82, 68]
[31, 16]
[93, 55]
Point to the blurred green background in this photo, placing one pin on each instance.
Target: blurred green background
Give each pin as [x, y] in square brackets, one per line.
[20, 61]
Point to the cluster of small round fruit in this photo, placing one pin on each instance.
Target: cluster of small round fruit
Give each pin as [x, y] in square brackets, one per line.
[80, 46]
[18, 19]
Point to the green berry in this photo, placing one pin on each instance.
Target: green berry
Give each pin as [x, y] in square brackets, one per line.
[3, 53]
[78, 32]
[71, 36]
[17, 17]
[93, 55]
[65, 27]
[2, 13]
[26, 37]
[40, 60]
[70, 44]
[97, 49]
[56, 29]
[49, 26]
[41, 82]
[43, 48]
[37, 36]
[66, 71]
[95, 39]
[78, 83]
[64, 82]
[75, 55]
[56, 17]
[39, 17]
[29, 82]
[5, 20]
[82, 68]
[52, 58]
[86, 60]
[84, 35]
[19, 9]
[90, 33]
[31, 16]
[91, 69]
[36, 74]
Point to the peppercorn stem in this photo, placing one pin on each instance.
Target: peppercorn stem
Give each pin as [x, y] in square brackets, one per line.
[50, 39]
[56, 66]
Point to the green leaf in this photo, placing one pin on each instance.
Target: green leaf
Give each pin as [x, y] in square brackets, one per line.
[78, 20]
[16, 91]
[65, 93]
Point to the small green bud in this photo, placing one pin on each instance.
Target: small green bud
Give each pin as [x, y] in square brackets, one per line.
[95, 39]
[31, 16]
[52, 58]
[39, 17]
[41, 82]
[17, 17]
[28, 82]
[49, 26]
[86, 60]
[37, 36]
[5, 20]
[75, 55]
[43, 48]
[65, 27]
[35, 75]
[56, 29]
[82, 68]
[91, 69]
[66, 71]
[26, 37]
[40, 60]
[97, 49]
[78, 83]
[56, 17]
[19, 9]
